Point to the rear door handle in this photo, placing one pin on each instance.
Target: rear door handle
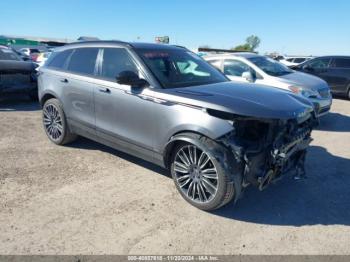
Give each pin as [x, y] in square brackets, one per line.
[104, 90]
[65, 80]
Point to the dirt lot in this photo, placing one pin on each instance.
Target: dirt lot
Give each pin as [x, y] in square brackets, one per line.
[88, 199]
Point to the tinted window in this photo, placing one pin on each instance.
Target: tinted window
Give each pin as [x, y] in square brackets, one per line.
[290, 59]
[319, 63]
[299, 60]
[179, 68]
[8, 54]
[235, 68]
[83, 61]
[59, 59]
[341, 62]
[270, 66]
[116, 60]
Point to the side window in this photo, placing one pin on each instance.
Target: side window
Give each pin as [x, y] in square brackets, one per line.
[59, 59]
[290, 59]
[216, 63]
[116, 60]
[235, 68]
[319, 63]
[299, 60]
[83, 61]
[341, 63]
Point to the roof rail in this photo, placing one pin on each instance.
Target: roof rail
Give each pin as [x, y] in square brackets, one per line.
[204, 49]
[98, 42]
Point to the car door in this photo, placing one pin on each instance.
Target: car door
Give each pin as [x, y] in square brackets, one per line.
[77, 88]
[319, 67]
[234, 69]
[123, 113]
[339, 74]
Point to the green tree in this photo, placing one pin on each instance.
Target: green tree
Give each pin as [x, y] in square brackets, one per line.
[244, 47]
[253, 41]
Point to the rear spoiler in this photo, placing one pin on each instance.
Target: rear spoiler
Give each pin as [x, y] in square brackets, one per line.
[204, 49]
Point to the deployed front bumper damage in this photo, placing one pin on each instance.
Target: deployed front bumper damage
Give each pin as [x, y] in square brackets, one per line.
[267, 149]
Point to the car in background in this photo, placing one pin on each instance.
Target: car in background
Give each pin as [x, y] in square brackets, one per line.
[294, 60]
[254, 68]
[335, 70]
[29, 51]
[33, 53]
[16, 75]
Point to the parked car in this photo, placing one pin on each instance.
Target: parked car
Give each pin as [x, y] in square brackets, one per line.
[168, 106]
[29, 51]
[16, 75]
[254, 68]
[295, 60]
[335, 70]
[23, 56]
[33, 53]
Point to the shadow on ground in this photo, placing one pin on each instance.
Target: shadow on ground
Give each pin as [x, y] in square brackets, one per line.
[84, 143]
[10, 103]
[334, 122]
[322, 198]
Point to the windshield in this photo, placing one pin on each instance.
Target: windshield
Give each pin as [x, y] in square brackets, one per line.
[8, 54]
[179, 68]
[270, 66]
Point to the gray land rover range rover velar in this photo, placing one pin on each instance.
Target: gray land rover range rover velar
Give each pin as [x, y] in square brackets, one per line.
[168, 106]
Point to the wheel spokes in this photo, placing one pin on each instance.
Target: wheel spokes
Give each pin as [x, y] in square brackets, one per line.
[195, 174]
[52, 122]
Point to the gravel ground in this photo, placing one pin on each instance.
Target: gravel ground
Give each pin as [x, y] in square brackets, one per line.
[86, 198]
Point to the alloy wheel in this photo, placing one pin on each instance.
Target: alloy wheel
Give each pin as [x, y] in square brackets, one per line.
[52, 122]
[195, 174]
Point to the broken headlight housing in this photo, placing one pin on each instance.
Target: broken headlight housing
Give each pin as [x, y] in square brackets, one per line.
[308, 93]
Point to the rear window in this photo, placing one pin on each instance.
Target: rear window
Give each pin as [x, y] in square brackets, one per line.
[299, 60]
[59, 59]
[341, 62]
[83, 61]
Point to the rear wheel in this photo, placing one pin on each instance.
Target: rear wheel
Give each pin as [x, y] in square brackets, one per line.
[55, 123]
[201, 178]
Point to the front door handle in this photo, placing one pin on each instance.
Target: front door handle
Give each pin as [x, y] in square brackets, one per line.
[65, 80]
[104, 90]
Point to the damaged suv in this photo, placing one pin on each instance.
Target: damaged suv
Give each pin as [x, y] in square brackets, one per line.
[168, 106]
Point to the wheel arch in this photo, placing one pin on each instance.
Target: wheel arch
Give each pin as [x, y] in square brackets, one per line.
[188, 136]
[46, 96]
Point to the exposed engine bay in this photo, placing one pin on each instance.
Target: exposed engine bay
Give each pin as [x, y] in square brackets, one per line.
[267, 149]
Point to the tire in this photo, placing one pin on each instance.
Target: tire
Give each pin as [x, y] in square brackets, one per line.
[55, 123]
[187, 170]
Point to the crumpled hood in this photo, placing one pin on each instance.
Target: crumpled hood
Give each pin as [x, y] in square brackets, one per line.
[241, 99]
[304, 80]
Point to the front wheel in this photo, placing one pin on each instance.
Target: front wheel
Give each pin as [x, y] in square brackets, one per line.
[55, 123]
[200, 177]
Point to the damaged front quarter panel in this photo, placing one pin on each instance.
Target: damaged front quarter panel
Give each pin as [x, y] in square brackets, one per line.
[268, 148]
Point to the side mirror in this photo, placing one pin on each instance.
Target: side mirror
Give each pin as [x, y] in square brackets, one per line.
[249, 76]
[131, 78]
